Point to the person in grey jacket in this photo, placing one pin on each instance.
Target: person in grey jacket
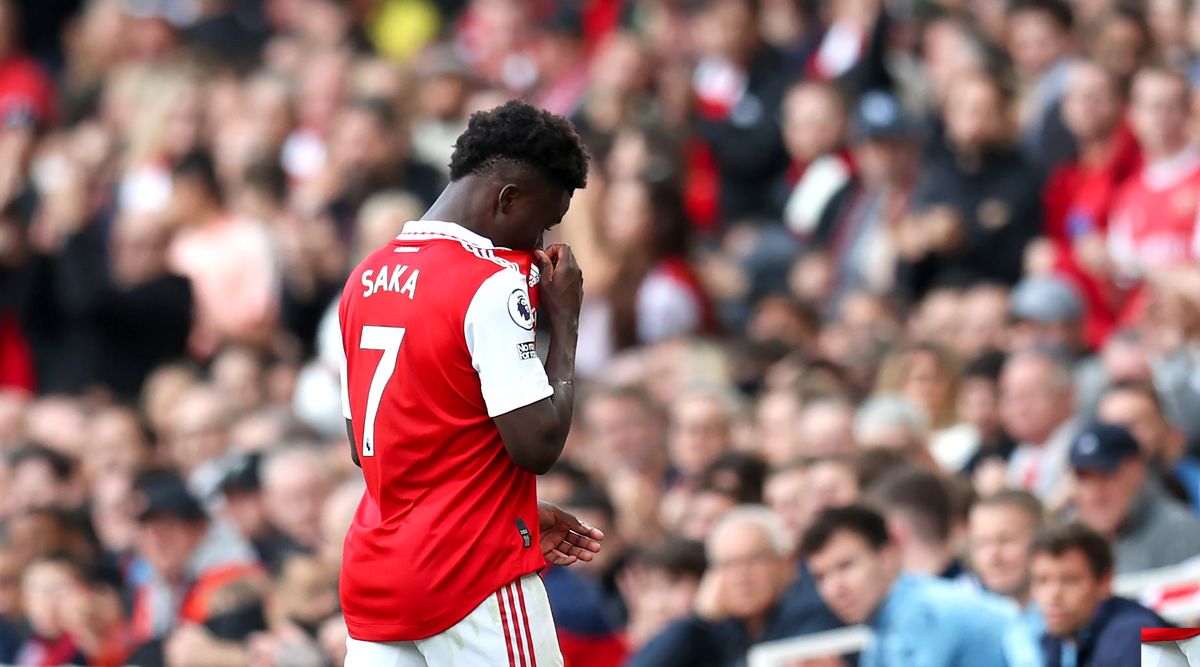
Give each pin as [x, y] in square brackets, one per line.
[1116, 495]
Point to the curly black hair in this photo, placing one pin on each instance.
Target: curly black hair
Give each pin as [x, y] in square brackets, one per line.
[524, 133]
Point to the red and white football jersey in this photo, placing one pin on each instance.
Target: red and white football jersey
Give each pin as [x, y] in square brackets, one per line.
[438, 333]
[1153, 223]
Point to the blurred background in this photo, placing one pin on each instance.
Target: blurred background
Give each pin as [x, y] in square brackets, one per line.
[835, 250]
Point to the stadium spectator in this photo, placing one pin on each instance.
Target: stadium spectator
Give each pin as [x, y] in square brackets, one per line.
[1037, 410]
[1072, 586]
[701, 430]
[889, 421]
[1000, 533]
[660, 585]
[742, 598]
[976, 206]
[183, 559]
[1047, 312]
[1118, 496]
[979, 407]
[857, 229]
[1136, 407]
[921, 521]
[1040, 45]
[41, 478]
[294, 487]
[814, 131]
[1144, 232]
[1079, 195]
[917, 620]
[234, 274]
[738, 83]
[826, 427]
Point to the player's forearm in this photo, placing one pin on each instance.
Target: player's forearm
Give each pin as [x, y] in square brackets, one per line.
[560, 369]
[560, 359]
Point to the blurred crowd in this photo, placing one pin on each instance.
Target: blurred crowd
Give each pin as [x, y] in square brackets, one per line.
[892, 315]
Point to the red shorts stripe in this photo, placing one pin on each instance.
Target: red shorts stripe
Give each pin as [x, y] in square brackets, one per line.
[525, 619]
[504, 622]
[516, 623]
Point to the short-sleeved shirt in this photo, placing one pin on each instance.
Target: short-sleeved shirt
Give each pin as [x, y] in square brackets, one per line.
[438, 334]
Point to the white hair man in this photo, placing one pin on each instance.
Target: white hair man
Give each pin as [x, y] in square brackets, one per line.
[749, 593]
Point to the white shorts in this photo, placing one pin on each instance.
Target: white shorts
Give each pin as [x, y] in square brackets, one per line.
[1185, 653]
[511, 628]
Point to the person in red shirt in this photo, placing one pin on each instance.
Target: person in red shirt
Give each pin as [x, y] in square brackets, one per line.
[1154, 217]
[451, 415]
[1079, 195]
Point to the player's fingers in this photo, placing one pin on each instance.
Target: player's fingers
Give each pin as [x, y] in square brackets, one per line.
[583, 542]
[559, 558]
[582, 553]
[544, 264]
[579, 527]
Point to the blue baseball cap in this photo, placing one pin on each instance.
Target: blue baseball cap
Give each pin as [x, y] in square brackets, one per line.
[880, 117]
[1102, 447]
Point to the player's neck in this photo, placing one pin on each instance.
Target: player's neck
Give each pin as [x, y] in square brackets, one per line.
[455, 205]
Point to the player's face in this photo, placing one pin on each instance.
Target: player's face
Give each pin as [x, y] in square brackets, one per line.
[536, 207]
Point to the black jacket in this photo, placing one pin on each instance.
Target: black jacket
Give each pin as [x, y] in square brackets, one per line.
[747, 145]
[85, 330]
[998, 199]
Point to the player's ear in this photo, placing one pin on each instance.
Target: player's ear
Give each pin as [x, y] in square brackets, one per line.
[507, 198]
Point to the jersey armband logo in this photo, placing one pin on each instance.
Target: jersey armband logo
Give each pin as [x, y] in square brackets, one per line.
[526, 351]
[519, 309]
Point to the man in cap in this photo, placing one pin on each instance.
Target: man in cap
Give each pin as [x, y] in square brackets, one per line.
[1046, 310]
[183, 559]
[852, 227]
[1117, 497]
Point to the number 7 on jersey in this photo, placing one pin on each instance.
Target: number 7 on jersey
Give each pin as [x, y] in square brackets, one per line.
[388, 340]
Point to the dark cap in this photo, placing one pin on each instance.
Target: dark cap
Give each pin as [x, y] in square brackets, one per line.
[880, 117]
[242, 475]
[1102, 447]
[163, 493]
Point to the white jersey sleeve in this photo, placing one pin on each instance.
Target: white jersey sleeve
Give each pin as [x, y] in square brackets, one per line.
[499, 331]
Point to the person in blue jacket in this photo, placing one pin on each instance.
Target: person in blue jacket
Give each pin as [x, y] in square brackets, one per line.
[1086, 626]
[917, 621]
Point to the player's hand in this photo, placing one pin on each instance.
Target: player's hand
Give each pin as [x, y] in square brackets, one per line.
[566, 539]
[561, 287]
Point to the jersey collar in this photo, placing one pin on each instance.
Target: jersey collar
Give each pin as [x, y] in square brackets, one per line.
[425, 230]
